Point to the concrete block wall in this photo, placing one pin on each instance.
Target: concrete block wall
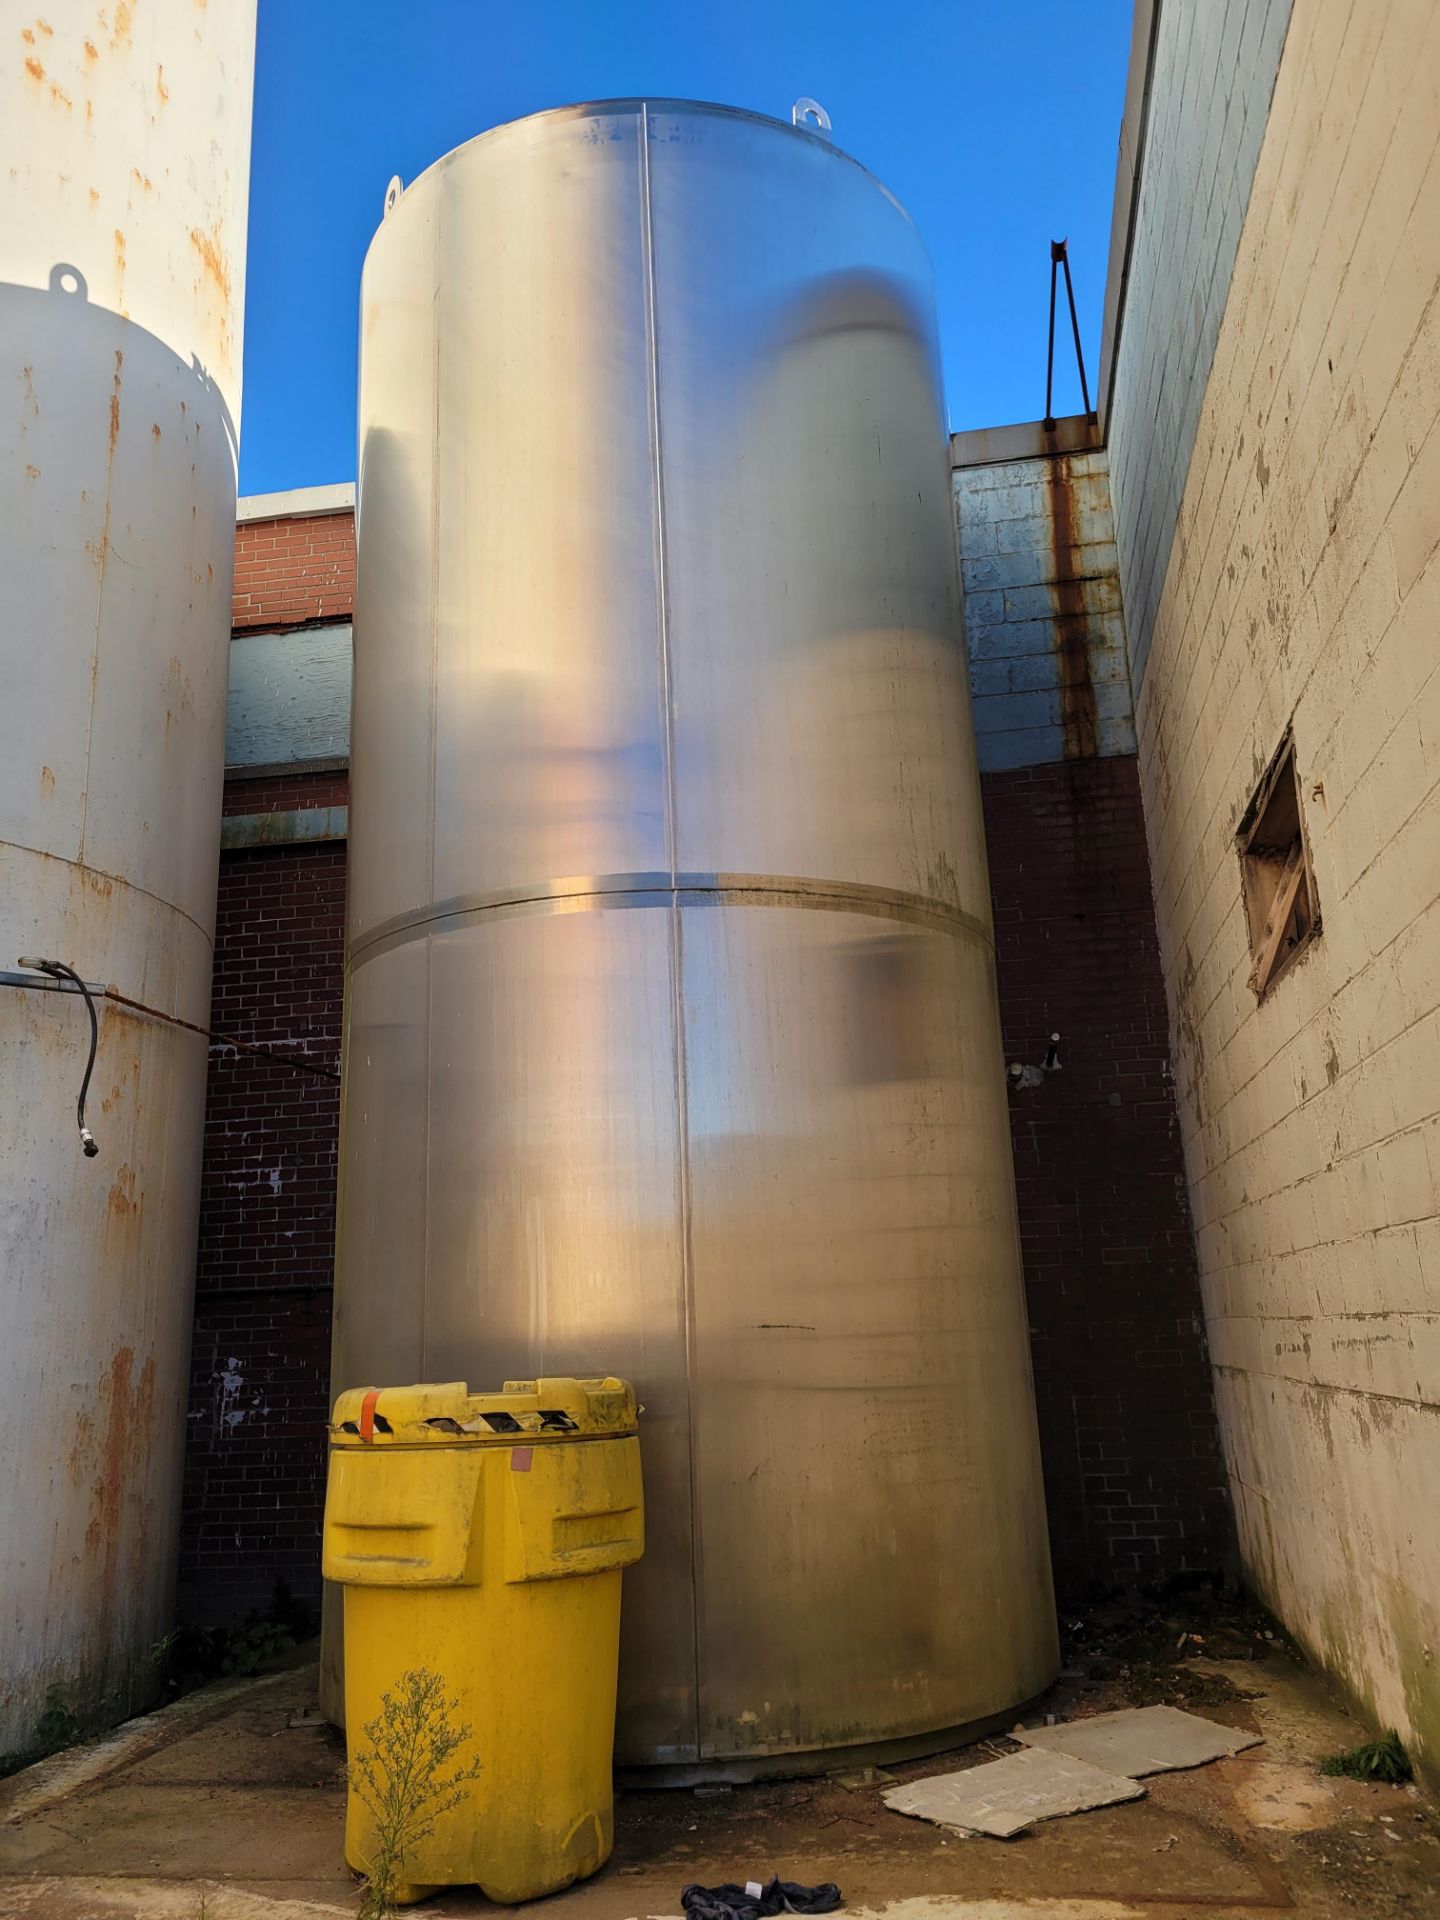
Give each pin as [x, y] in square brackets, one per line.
[1043, 622]
[1302, 590]
[1212, 75]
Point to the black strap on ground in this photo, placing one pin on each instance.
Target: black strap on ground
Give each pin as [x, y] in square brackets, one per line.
[1060, 257]
[776, 1896]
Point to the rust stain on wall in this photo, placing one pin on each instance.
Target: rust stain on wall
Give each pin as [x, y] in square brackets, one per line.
[34, 69]
[1079, 718]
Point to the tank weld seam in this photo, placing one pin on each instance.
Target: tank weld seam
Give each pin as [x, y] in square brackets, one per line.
[92, 872]
[675, 930]
[599, 892]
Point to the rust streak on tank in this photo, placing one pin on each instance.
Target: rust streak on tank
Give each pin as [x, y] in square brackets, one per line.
[128, 1406]
[1079, 718]
[208, 246]
[115, 400]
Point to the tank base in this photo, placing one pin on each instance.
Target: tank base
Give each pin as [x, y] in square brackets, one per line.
[745, 1769]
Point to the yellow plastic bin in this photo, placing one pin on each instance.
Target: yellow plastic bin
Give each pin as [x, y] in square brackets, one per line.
[479, 1540]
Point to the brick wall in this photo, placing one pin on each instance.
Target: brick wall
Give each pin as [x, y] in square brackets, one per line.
[1122, 1379]
[1302, 592]
[293, 570]
[255, 1457]
[254, 1483]
[1133, 1479]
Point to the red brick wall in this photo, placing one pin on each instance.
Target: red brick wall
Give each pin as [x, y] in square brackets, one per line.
[1122, 1378]
[291, 571]
[255, 1462]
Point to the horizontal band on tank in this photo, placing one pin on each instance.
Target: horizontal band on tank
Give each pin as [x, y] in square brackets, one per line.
[612, 892]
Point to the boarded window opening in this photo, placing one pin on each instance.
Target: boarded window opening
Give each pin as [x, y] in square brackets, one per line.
[1280, 898]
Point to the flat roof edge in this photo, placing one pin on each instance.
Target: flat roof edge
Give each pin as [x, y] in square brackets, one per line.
[300, 503]
[1027, 440]
[1129, 162]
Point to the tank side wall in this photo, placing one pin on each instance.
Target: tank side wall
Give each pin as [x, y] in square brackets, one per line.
[121, 293]
[671, 1005]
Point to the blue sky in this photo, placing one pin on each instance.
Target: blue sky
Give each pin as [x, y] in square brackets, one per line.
[994, 121]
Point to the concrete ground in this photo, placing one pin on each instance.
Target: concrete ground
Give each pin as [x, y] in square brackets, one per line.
[221, 1809]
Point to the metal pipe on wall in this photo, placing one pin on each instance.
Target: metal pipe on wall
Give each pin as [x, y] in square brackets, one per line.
[672, 1039]
[126, 137]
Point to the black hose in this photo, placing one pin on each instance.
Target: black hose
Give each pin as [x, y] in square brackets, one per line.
[57, 969]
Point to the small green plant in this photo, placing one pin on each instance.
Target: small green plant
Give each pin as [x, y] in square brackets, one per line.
[1384, 1759]
[190, 1657]
[402, 1771]
[57, 1728]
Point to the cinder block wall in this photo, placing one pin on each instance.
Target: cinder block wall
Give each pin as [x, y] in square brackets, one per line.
[1302, 589]
[1133, 1479]
[1049, 679]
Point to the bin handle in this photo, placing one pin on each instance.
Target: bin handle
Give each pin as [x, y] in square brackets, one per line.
[367, 1414]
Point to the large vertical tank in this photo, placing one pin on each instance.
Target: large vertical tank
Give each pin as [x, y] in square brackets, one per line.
[672, 1034]
[125, 137]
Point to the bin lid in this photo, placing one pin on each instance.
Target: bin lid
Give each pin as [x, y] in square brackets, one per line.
[449, 1414]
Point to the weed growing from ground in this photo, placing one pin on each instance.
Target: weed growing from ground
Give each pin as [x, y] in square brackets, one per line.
[402, 1771]
[1384, 1759]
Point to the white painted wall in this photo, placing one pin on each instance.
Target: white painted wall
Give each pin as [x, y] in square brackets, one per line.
[1303, 588]
[1214, 69]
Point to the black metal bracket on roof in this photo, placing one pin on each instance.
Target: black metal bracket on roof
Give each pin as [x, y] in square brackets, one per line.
[1060, 257]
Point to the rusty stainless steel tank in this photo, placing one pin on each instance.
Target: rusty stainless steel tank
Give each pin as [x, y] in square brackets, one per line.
[672, 1035]
[126, 142]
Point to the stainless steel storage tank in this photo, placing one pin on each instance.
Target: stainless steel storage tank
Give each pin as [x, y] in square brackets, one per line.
[126, 143]
[672, 1034]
